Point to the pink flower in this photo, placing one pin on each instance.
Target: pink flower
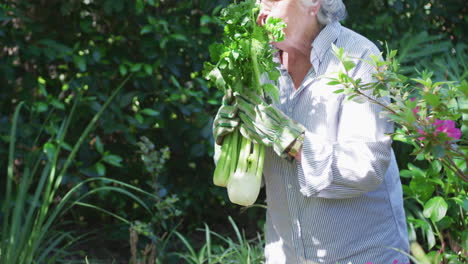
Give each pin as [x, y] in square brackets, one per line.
[420, 131]
[447, 127]
[416, 109]
[442, 126]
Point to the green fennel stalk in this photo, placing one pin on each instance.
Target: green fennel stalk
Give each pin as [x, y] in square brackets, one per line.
[240, 60]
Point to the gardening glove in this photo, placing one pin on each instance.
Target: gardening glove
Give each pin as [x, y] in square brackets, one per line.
[265, 124]
[226, 120]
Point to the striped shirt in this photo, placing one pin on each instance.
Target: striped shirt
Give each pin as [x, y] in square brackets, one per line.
[343, 203]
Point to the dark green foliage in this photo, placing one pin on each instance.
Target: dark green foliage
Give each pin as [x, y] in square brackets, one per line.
[389, 20]
[54, 49]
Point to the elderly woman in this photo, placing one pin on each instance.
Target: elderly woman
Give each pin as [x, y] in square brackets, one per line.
[332, 183]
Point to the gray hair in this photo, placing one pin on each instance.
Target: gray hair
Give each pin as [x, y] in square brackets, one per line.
[330, 10]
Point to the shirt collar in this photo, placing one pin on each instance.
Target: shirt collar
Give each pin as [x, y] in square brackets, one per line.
[322, 43]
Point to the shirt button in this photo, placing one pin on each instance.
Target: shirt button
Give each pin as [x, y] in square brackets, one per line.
[289, 186]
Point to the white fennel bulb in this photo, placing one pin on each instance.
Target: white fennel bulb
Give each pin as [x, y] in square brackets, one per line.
[243, 188]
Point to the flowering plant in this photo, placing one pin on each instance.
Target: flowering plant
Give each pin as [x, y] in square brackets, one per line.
[425, 113]
[431, 117]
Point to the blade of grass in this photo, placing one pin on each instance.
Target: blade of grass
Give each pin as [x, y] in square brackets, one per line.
[59, 209]
[68, 195]
[48, 176]
[90, 126]
[30, 224]
[53, 182]
[103, 210]
[208, 242]
[187, 244]
[26, 229]
[7, 238]
[71, 156]
[236, 230]
[37, 229]
[52, 245]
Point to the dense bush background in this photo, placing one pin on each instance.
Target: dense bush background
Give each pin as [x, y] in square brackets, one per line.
[51, 50]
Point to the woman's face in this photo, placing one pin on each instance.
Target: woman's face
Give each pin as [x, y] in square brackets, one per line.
[294, 14]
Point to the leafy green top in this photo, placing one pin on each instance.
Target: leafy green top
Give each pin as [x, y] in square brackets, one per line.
[244, 52]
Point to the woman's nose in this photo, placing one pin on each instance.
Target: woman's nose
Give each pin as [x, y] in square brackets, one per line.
[262, 17]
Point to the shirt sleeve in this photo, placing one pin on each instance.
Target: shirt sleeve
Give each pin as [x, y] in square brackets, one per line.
[357, 160]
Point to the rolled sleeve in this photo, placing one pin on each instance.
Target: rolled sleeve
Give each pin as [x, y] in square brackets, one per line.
[355, 160]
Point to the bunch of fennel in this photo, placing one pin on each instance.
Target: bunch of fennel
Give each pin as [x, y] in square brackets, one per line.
[237, 64]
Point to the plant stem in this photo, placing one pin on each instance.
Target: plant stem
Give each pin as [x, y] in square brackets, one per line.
[453, 167]
[442, 242]
[376, 101]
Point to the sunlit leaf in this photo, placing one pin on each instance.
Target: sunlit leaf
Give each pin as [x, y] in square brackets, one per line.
[435, 208]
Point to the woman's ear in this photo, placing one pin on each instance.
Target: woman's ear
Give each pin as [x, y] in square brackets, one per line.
[314, 8]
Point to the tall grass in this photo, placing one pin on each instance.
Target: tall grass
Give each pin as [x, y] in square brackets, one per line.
[224, 250]
[29, 229]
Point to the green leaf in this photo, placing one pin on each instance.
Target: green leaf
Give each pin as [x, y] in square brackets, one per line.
[338, 91]
[406, 174]
[338, 51]
[100, 169]
[216, 77]
[50, 150]
[446, 222]
[402, 138]
[348, 65]
[40, 107]
[41, 80]
[139, 118]
[136, 67]
[423, 82]
[438, 151]
[139, 6]
[274, 27]
[112, 160]
[66, 146]
[272, 91]
[435, 208]
[150, 112]
[335, 82]
[432, 99]
[80, 62]
[98, 144]
[461, 201]
[430, 238]
[417, 172]
[122, 69]
[57, 104]
[422, 188]
[146, 29]
[420, 223]
[148, 69]
[179, 37]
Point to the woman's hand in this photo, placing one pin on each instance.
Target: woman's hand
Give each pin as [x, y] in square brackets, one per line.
[226, 120]
[265, 124]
